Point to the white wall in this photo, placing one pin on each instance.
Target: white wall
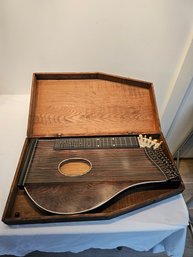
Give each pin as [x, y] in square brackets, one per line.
[177, 93]
[144, 39]
[177, 118]
[182, 124]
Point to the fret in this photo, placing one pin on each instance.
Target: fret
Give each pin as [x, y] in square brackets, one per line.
[102, 142]
[128, 141]
[93, 143]
[96, 142]
[132, 140]
[113, 142]
[116, 142]
[119, 140]
[82, 143]
[125, 140]
[105, 142]
[88, 143]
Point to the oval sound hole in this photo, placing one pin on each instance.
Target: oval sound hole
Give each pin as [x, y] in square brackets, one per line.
[74, 167]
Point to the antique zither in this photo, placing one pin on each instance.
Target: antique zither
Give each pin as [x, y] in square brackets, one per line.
[94, 150]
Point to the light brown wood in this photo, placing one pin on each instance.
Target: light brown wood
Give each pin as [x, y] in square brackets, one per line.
[91, 107]
[73, 167]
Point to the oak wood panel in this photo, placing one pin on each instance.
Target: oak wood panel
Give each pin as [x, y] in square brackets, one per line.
[91, 107]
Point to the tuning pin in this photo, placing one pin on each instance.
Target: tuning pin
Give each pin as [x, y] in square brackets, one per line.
[141, 140]
[157, 145]
[148, 142]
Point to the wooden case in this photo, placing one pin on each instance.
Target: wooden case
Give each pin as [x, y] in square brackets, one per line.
[88, 105]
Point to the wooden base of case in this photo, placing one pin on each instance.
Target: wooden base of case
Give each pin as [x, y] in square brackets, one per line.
[21, 210]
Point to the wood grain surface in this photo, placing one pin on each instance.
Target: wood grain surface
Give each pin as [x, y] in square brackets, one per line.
[113, 170]
[88, 104]
[90, 107]
[21, 210]
[107, 165]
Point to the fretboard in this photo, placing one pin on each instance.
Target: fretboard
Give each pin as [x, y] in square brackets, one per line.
[96, 142]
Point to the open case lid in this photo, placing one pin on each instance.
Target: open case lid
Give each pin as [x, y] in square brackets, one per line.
[83, 104]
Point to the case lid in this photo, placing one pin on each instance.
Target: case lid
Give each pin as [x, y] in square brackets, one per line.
[83, 104]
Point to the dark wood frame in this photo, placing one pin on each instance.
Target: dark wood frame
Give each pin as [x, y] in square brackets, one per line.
[115, 207]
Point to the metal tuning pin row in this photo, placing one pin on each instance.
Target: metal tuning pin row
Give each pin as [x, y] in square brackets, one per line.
[163, 162]
[148, 142]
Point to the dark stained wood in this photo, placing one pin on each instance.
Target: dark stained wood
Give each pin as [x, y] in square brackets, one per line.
[131, 200]
[72, 143]
[20, 209]
[91, 75]
[14, 189]
[32, 105]
[25, 164]
[113, 170]
[123, 80]
[66, 75]
[89, 104]
[107, 165]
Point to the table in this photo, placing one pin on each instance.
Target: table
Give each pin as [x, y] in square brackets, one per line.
[158, 227]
